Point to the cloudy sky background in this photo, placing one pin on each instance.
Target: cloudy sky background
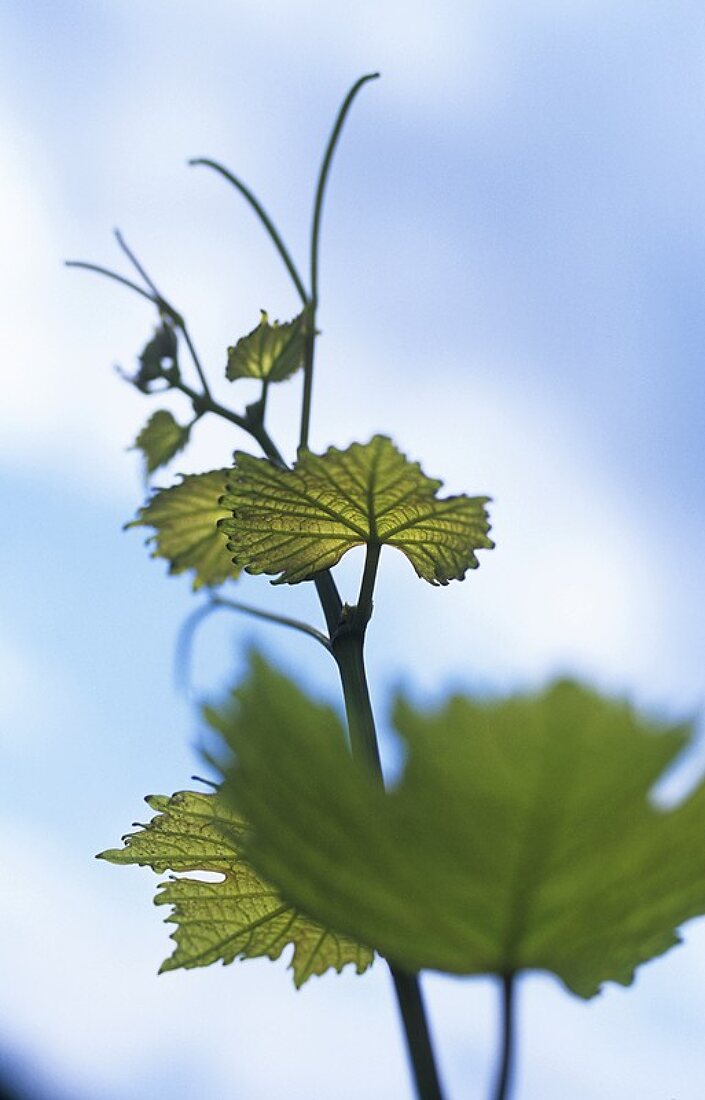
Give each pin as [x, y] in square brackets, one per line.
[512, 286]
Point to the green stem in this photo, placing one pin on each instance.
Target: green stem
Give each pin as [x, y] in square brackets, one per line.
[272, 617]
[348, 646]
[330, 600]
[363, 610]
[506, 1065]
[413, 1014]
[98, 270]
[323, 177]
[263, 217]
[315, 238]
[348, 649]
[173, 313]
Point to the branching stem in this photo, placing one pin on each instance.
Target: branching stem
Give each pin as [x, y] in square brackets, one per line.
[346, 627]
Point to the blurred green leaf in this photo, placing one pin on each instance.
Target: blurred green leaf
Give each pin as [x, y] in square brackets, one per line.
[272, 351]
[158, 354]
[297, 522]
[161, 439]
[521, 835]
[185, 519]
[238, 917]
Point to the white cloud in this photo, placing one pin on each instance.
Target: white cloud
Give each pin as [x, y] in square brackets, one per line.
[82, 998]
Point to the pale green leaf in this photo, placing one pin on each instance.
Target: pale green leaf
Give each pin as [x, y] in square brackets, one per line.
[161, 439]
[185, 520]
[297, 522]
[521, 836]
[240, 916]
[271, 352]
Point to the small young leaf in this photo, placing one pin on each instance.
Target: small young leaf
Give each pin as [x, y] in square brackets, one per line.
[185, 518]
[239, 917]
[162, 347]
[521, 835]
[272, 351]
[297, 522]
[161, 439]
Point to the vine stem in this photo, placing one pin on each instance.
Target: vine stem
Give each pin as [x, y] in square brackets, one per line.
[263, 216]
[315, 238]
[413, 1016]
[346, 630]
[175, 315]
[506, 1061]
[271, 617]
[348, 649]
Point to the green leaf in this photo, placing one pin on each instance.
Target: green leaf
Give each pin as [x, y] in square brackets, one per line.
[297, 522]
[185, 519]
[159, 354]
[161, 439]
[522, 835]
[272, 351]
[238, 917]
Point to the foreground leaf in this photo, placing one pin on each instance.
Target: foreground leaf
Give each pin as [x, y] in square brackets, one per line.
[520, 837]
[161, 439]
[272, 351]
[297, 522]
[185, 520]
[239, 917]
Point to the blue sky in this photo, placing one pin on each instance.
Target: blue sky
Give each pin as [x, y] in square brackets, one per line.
[514, 246]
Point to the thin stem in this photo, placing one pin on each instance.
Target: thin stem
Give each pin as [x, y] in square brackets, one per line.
[413, 1015]
[184, 642]
[272, 617]
[204, 403]
[506, 1065]
[136, 263]
[184, 646]
[152, 295]
[323, 177]
[263, 217]
[315, 237]
[177, 318]
[117, 278]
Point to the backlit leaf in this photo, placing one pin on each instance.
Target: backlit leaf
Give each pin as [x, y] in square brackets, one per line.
[159, 354]
[521, 835]
[297, 522]
[272, 351]
[185, 519]
[240, 916]
[161, 439]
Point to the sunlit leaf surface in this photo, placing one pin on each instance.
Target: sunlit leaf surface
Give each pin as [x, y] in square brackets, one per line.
[240, 916]
[272, 351]
[161, 439]
[297, 522]
[185, 519]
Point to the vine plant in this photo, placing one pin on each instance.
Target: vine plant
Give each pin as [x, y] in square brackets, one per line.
[520, 836]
